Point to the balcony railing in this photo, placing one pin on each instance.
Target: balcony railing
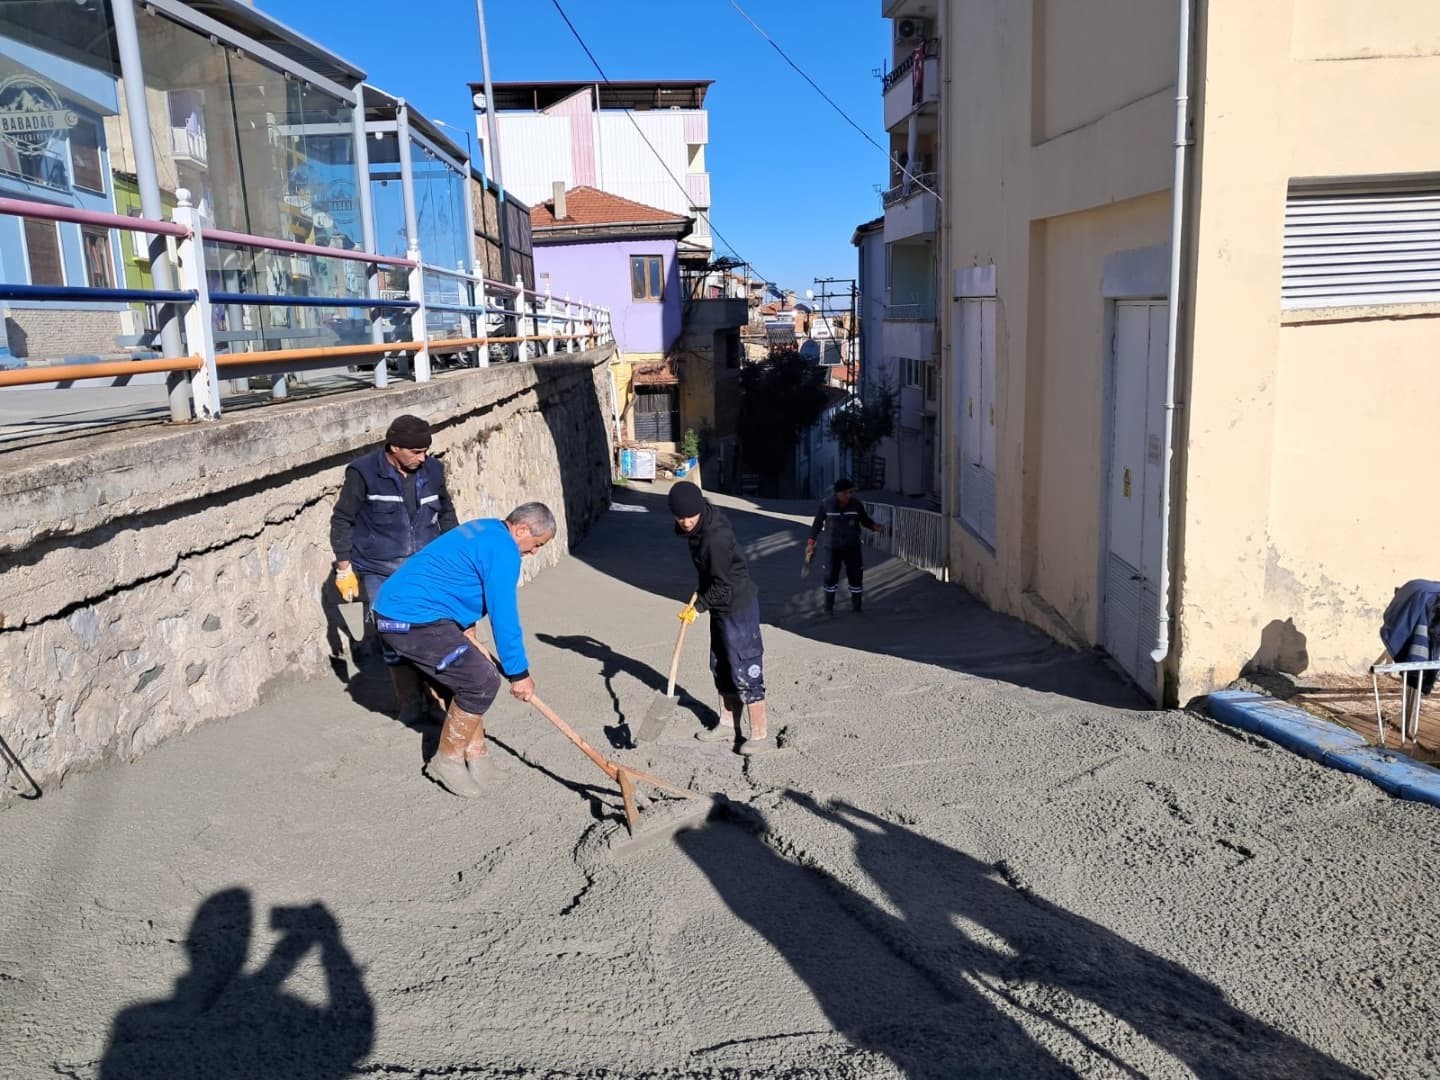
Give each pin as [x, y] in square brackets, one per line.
[189, 145]
[902, 69]
[920, 183]
[922, 311]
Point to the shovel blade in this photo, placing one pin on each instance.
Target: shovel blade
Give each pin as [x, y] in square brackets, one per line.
[661, 709]
[353, 616]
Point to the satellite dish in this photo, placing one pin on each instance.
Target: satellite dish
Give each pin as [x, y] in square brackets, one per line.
[809, 294]
[479, 101]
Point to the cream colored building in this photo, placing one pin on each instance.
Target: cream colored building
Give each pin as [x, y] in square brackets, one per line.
[1257, 491]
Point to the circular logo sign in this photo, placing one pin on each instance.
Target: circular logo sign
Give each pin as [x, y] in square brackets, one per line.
[32, 114]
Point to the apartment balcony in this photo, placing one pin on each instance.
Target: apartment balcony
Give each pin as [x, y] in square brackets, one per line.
[912, 86]
[912, 208]
[708, 316]
[698, 186]
[909, 331]
[908, 9]
[188, 147]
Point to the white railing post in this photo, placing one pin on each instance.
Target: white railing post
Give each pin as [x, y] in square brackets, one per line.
[483, 320]
[199, 327]
[569, 326]
[549, 321]
[419, 321]
[520, 319]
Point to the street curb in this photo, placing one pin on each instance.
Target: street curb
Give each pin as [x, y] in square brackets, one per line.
[1329, 744]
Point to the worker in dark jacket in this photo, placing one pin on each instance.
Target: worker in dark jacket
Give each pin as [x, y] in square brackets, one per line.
[726, 591]
[841, 517]
[392, 504]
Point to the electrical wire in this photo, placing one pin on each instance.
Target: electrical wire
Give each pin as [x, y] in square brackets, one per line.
[605, 79]
[904, 169]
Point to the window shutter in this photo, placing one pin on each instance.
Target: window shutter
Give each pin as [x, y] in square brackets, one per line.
[42, 244]
[1358, 246]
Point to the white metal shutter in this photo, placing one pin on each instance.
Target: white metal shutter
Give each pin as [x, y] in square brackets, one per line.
[1352, 246]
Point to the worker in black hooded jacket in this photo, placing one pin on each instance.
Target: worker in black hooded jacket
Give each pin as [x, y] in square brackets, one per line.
[727, 592]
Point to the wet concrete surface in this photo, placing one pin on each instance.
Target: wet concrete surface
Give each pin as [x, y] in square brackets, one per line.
[974, 853]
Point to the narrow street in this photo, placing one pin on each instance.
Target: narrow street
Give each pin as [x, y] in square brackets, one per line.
[974, 854]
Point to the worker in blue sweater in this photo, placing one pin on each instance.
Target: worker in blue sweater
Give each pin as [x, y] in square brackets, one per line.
[427, 610]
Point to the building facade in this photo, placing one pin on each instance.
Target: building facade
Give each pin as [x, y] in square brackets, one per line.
[914, 109]
[1160, 440]
[642, 141]
[622, 255]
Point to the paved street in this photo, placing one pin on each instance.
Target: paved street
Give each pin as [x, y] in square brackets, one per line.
[974, 854]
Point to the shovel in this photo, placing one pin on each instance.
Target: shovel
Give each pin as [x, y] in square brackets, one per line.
[662, 708]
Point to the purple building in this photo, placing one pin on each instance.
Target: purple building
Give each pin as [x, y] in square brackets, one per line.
[620, 254]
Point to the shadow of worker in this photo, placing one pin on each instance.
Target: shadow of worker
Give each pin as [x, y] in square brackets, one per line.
[880, 1001]
[222, 1024]
[967, 923]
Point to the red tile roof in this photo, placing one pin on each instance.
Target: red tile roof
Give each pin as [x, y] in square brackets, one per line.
[589, 206]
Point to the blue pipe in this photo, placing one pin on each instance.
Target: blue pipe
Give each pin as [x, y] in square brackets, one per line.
[79, 293]
[267, 300]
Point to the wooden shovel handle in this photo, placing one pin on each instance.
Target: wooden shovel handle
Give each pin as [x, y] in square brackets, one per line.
[609, 768]
[675, 656]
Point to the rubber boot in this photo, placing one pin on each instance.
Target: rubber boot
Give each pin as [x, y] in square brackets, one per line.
[409, 698]
[728, 726]
[855, 603]
[758, 740]
[447, 767]
[829, 603]
[482, 765]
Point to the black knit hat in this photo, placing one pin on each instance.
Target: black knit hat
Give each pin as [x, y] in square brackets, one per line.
[844, 484]
[686, 500]
[408, 433]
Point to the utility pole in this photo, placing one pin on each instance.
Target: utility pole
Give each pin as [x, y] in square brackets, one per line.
[492, 150]
[851, 372]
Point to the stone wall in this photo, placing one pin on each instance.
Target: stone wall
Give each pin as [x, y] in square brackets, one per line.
[45, 334]
[158, 578]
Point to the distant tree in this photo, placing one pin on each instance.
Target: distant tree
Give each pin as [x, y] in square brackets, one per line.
[780, 397]
[861, 428]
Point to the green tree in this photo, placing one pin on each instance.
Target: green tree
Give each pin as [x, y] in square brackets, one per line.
[780, 397]
[861, 428]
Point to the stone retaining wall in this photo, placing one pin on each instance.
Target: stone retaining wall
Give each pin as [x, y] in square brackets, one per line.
[157, 578]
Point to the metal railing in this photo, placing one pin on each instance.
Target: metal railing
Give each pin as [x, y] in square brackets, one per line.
[926, 183]
[524, 323]
[912, 535]
[904, 67]
[921, 311]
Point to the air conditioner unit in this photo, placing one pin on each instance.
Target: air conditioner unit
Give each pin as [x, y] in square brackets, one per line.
[908, 30]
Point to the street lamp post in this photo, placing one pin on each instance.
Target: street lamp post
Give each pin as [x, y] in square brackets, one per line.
[492, 150]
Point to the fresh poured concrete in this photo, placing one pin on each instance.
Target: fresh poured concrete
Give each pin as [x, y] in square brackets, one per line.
[974, 854]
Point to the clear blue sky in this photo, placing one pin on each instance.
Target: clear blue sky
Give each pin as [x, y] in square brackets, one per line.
[790, 179]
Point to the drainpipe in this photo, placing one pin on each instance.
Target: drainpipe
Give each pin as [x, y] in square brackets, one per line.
[132, 74]
[1164, 639]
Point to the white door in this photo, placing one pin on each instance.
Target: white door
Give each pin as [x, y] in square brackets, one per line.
[975, 416]
[1131, 620]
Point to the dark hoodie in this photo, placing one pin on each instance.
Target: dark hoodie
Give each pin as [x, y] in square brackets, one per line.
[725, 583]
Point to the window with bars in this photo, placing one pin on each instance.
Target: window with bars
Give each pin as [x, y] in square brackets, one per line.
[647, 277]
[1362, 243]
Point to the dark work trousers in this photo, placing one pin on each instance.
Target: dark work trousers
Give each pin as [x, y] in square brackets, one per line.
[371, 583]
[849, 558]
[737, 654]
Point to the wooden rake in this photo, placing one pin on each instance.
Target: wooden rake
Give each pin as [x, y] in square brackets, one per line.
[623, 775]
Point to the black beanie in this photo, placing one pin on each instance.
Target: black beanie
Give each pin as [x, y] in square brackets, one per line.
[408, 433]
[686, 500]
[844, 484]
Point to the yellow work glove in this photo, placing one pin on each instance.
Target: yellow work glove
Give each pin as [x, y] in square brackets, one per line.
[347, 584]
[687, 614]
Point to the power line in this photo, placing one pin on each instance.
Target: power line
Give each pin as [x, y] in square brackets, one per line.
[658, 157]
[905, 168]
